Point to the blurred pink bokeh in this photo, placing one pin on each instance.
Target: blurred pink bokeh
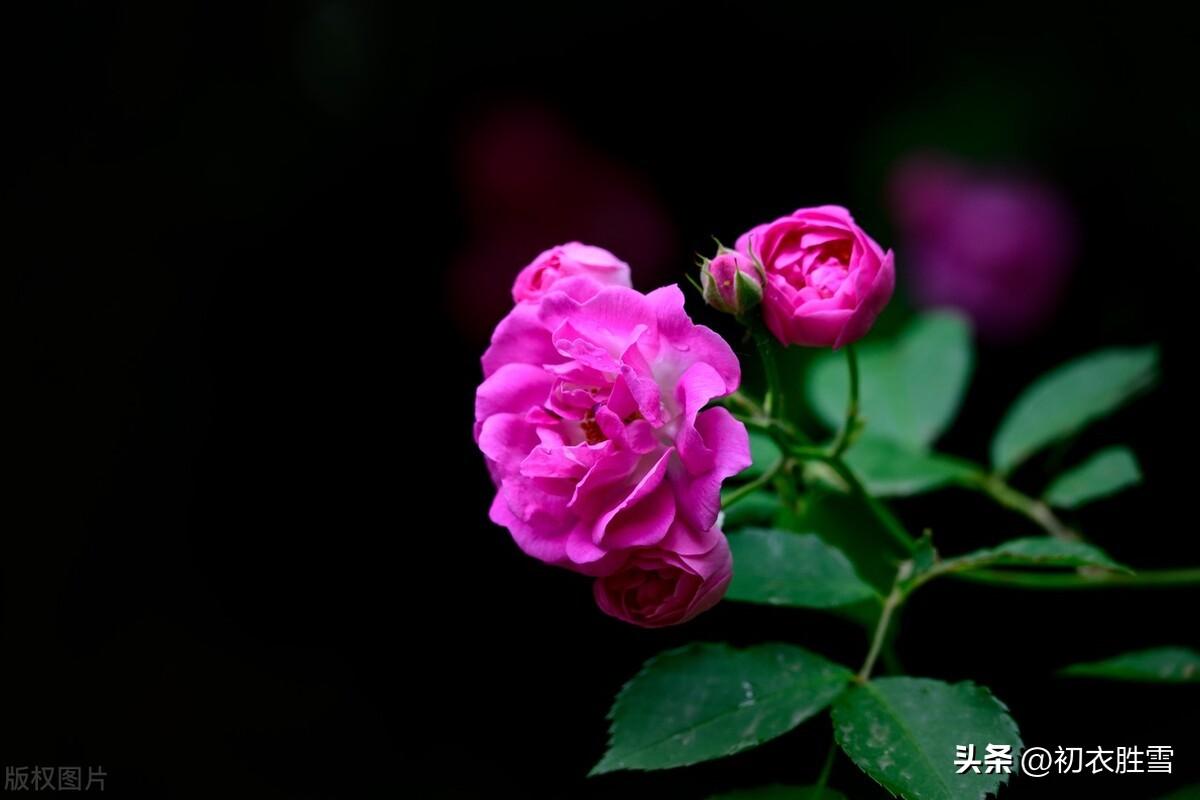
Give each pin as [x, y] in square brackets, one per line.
[527, 182]
[996, 245]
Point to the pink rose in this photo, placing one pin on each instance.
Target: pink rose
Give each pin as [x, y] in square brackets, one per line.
[592, 420]
[731, 282]
[566, 261]
[685, 574]
[826, 280]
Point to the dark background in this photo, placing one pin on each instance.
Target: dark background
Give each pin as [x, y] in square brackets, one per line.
[251, 555]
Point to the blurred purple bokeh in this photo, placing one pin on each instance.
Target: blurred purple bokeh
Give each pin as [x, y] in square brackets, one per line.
[528, 182]
[997, 245]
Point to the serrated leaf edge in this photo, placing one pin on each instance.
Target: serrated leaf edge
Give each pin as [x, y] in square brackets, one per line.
[995, 557]
[698, 646]
[1018, 743]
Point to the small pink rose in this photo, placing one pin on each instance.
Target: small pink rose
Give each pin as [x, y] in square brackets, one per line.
[731, 282]
[685, 574]
[826, 280]
[567, 261]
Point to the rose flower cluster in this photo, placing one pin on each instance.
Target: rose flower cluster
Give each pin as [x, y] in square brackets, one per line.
[593, 415]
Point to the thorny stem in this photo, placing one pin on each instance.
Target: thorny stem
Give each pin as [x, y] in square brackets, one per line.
[826, 769]
[765, 342]
[891, 661]
[769, 419]
[843, 438]
[996, 488]
[785, 484]
[783, 434]
[747, 404]
[748, 489]
[787, 441]
[902, 587]
[893, 601]
[790, 441]
[1146, 579]
[993, 486]
[881, 512]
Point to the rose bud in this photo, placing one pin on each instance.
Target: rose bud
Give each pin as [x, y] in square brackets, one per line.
[684, 575]
[825, 280]
[731, 282]
[568, 261]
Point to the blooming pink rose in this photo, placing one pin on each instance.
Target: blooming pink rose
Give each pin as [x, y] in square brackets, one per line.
[826, 280]
[685, 574]
[592, 420]
[522, 336]
[566, 261]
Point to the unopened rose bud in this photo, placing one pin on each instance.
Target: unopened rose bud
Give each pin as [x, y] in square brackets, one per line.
[731, 282]
[567, 261]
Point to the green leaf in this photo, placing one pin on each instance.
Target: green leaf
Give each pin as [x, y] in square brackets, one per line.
[779, 792]
[1158, 665]
[1106, 473]
[844, 522]
[1067, 399]
[782, 568]
[705, 701]
[1035, 551]
[910, 388]
[758, 508]
[892, 469]
[764, 454]
[903, 733]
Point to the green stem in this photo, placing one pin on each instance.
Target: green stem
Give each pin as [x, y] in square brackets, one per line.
[888, 520]
[769, 419]
[893, 601]
[891, 661]
[881, 512]
[792, 442]
[765, 342]
[1074, 580]
[826, 770]
[783, 434]
[746, 404]
[996, 488]
[785, 485]
[750, 488]
[843, 438]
